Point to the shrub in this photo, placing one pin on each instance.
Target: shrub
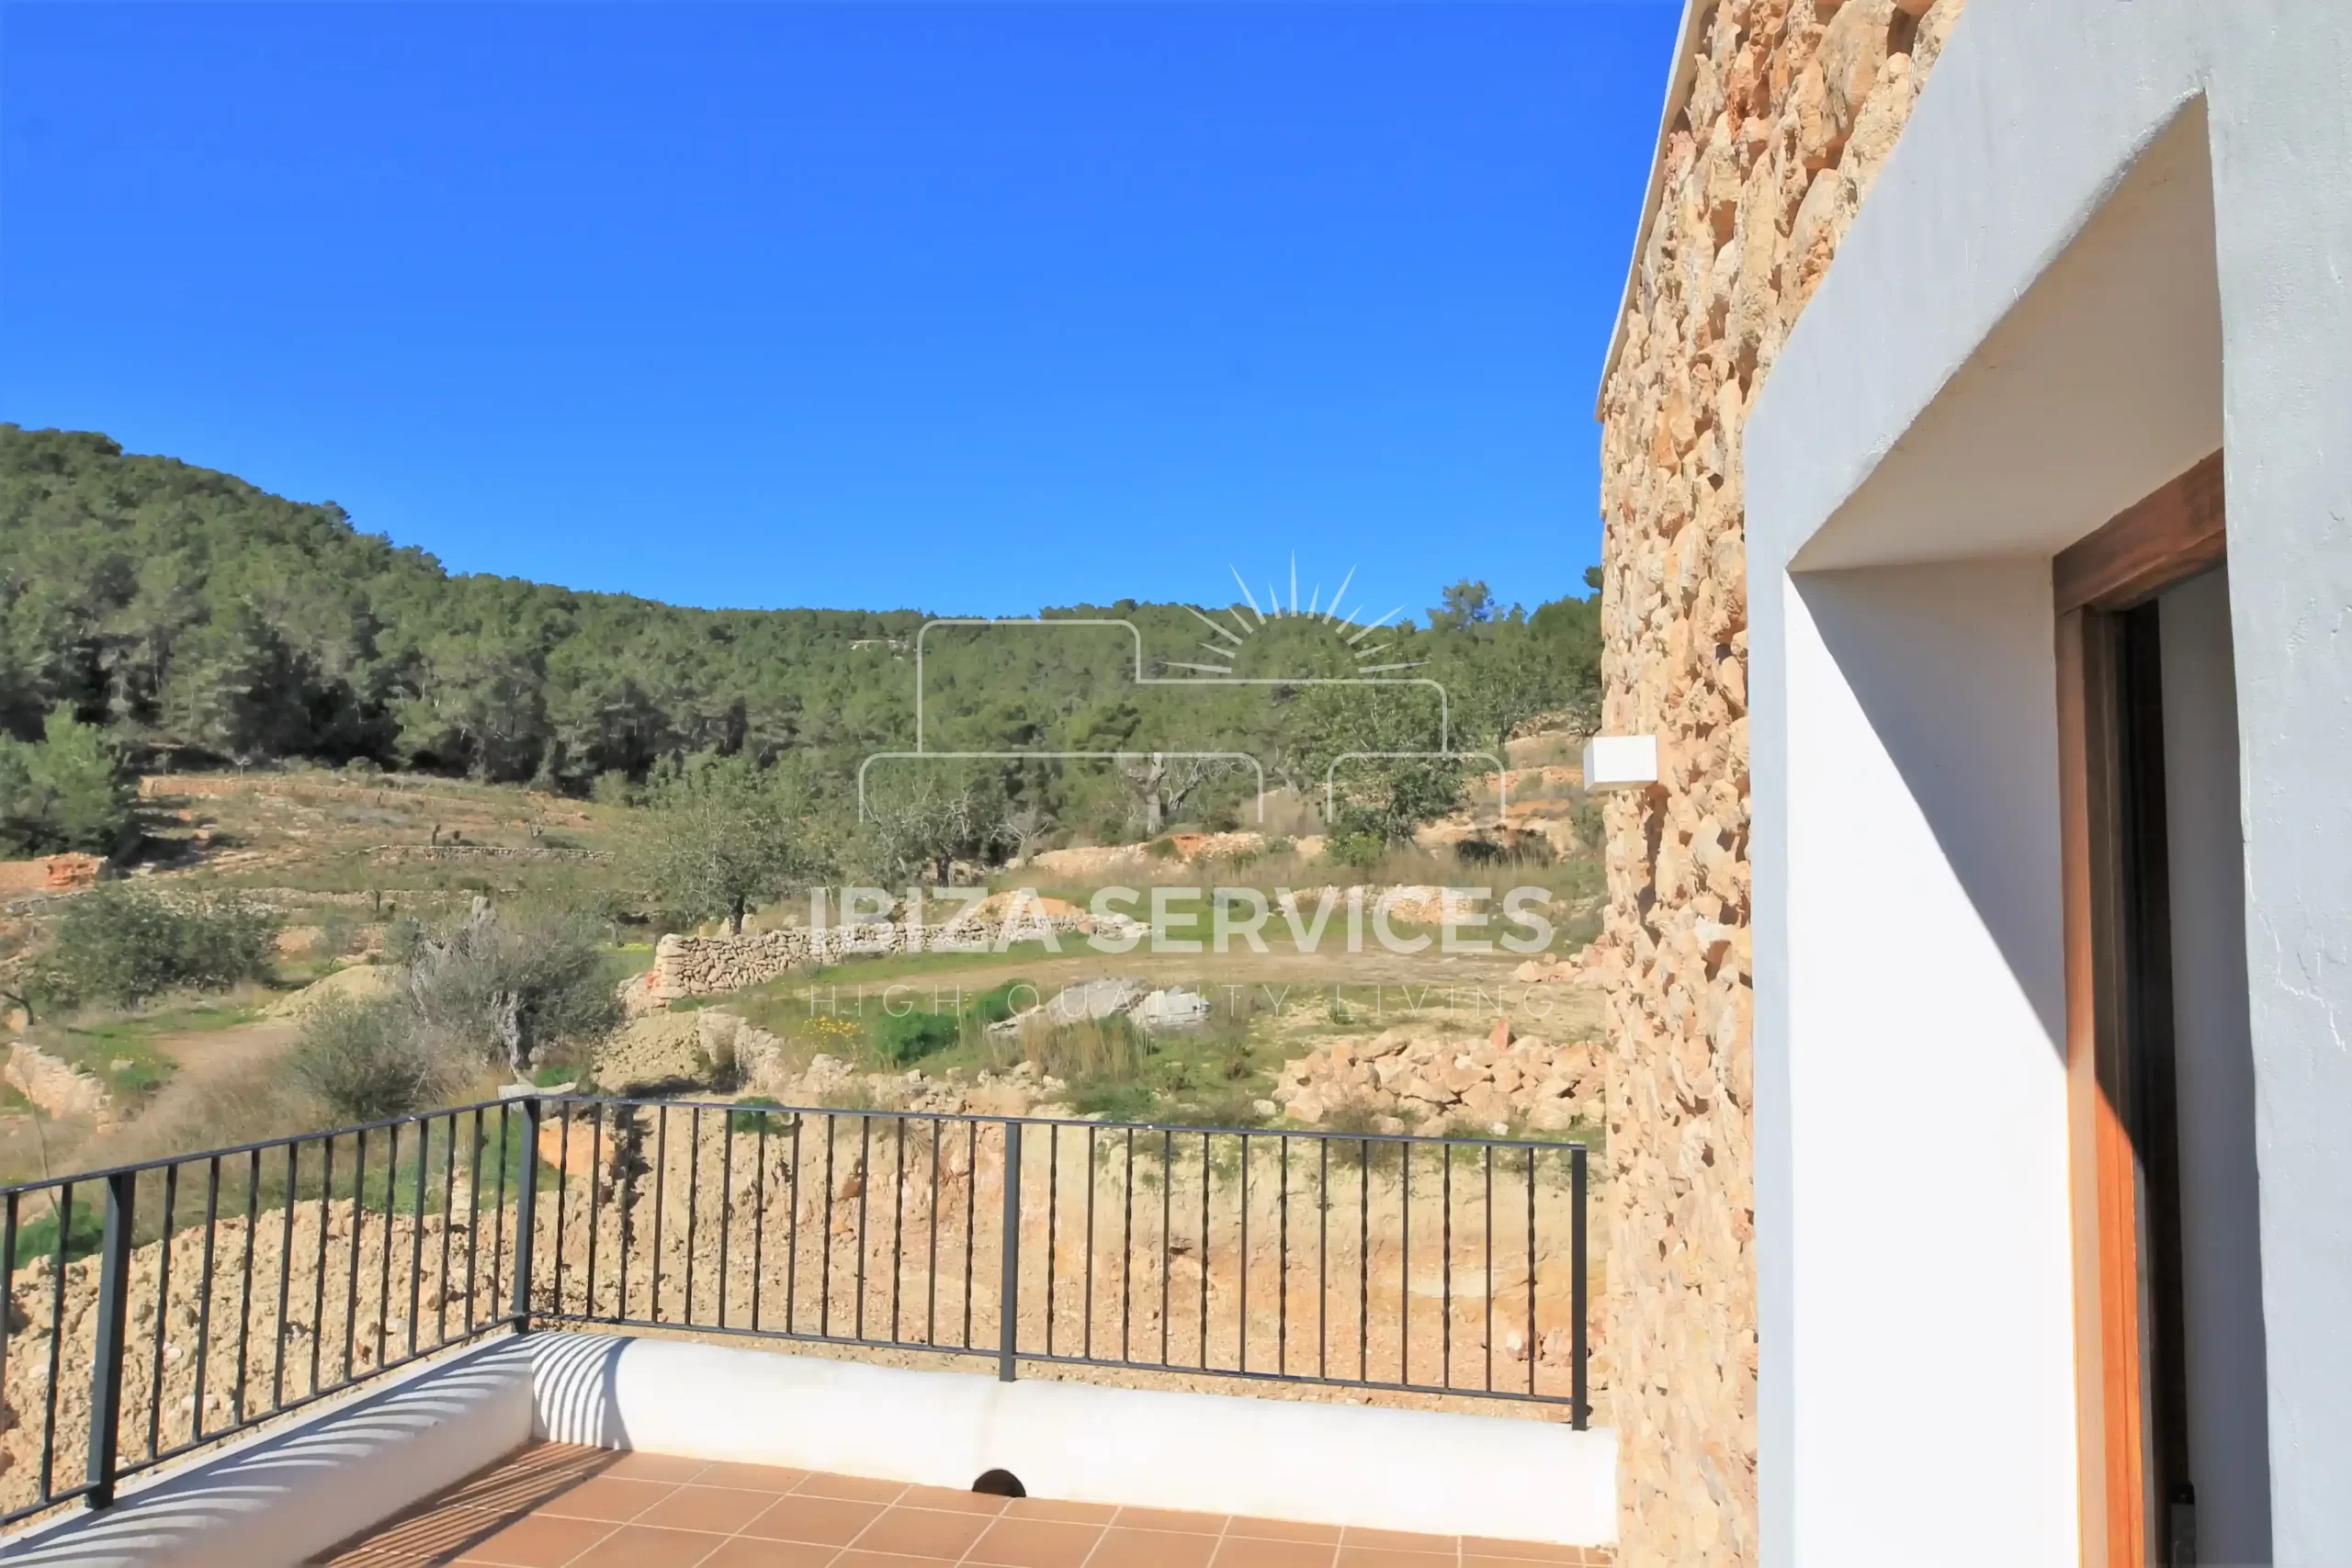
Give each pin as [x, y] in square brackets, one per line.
[501, 986]
[367, 1061]
[1001, 1002]
[1161, 848]
[38, 1237]
[124, 943]
[1359, 850]
[906, 1038]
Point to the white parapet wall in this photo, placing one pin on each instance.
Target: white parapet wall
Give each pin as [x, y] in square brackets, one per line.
[283, 1496]
[1314, 1461]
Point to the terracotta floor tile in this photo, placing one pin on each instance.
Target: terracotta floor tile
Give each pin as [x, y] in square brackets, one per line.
[1283, 1529]
[1126, 1547]
[852, 1488]
[1249, 1552]
[536, 1541]
[640, 1546]
[824, 1521]
[607, 1497]
[921, 1532]
[637, 1465]
[722, 1511]
[1054, 1508]
[952, 1500]
[421, 1537]
[1169, 1519]
[1035, 1543]
[853, 1558]
[747, 1551]
[750, 1477]
[535, 1472]
[1390, 1557]
[1400, 1541]
[1569, 1557]
[1523, 1551]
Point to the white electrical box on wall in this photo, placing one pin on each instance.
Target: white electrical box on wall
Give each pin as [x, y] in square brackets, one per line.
[1621, 762]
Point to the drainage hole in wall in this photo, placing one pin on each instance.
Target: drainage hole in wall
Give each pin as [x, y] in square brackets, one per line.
[1000, 1484]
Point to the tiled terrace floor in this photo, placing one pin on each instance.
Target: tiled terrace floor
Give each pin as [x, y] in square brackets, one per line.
[555, 1507]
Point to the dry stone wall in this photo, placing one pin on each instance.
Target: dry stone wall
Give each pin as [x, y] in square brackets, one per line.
[711, 965]
[1791, 110]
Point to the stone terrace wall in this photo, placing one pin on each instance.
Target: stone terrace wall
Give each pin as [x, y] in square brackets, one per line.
[1791, 110]
[710, 965]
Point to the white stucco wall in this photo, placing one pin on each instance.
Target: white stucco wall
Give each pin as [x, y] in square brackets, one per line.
[2213, 1053]
[1903, 423]
[1921, 1100]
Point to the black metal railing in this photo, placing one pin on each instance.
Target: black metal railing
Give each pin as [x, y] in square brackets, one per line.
[161, 1307]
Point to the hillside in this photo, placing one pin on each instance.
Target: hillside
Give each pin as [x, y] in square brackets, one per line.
[204, 621]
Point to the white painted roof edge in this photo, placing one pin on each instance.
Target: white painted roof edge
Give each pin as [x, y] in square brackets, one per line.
[1678, 93]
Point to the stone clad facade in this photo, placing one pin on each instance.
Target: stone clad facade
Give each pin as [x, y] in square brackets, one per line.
[1786, 113]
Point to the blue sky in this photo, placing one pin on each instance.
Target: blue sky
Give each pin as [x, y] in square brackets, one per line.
[973, 307]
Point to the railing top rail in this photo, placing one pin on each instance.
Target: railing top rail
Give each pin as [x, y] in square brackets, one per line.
[259, 1145]
[1190, 1128]
[264, 1146]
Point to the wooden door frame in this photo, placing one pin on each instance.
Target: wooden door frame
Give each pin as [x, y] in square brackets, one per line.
[2173, 534]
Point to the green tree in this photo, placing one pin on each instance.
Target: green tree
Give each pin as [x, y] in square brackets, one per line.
[723, 833]
[65, 791]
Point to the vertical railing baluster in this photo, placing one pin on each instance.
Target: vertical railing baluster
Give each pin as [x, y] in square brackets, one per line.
[1445, 1266]
[660, 1201]
[1405, 1264]
[760, 1221]
[285, 1275]
[1490, 1268]
[1127, 1246]
[1281, 1262]
[204, 1302]
[1008, 1291]
[162, 1314]
[526, 1210]
[971, 1217]
[595, 1195]
[358, 1236]
[825, 1235]
[61, 1206]
[1242, 1311]
[114, 1301]
[726, 1206]
[1087, 1319]
[865, 1199]
[1531, 1271]
[319, 1284]
[245, 1291]
[417, 1233]
[473, 1214]
[1052, 1222]
[1166, 1232]
[694, 1206]
[1204, 1251]
[792, 1238]
[931, 1266]
[898, 1217]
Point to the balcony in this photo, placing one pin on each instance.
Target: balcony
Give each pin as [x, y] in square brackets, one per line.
[311, 1347]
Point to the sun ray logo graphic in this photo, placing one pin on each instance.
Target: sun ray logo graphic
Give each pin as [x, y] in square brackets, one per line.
[1230, 638]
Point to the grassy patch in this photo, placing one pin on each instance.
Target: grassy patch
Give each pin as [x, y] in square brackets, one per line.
[123, 1053]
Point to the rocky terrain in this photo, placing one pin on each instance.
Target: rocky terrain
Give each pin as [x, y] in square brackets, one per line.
[1407, 1078]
